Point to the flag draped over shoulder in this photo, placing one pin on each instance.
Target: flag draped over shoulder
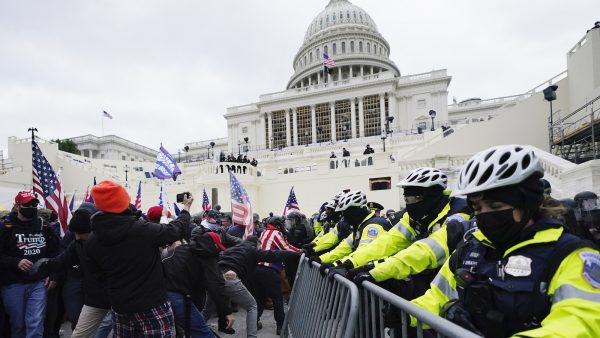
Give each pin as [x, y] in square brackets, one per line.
[47, 184]
[205, 201]
[138, 197]
[292, 203]
[241, 208]
[166, 167]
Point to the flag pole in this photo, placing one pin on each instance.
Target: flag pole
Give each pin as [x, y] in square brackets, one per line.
[102, 121]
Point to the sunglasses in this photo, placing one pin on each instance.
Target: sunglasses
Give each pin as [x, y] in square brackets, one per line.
[32, 204]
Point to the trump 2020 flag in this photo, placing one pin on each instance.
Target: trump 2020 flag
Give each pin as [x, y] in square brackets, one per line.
[241, 208]
[138, 197]
[166, 167]
[291, 204]
[205, 201]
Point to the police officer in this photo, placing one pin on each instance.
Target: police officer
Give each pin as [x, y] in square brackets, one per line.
[521, 273]
[374, 206]
[365, 226]
[334, 229]
[587, 214]
[423, 231]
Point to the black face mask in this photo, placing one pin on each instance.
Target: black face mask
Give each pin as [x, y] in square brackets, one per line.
[500, 227]
[28, 213]
[354, 216]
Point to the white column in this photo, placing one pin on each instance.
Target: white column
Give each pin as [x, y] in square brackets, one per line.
[362, 71]
[319, 77]
[361, 117]
[270, 125]
[339, 73]
[313, 123]
[382, 110]
[394, 110]
[352, 118]
[262, 131]
[332, 109]
[287, 128]
[350, 74]
[310, 80]
[295, 120]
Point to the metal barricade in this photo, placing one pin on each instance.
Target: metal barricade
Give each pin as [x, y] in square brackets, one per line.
[321, 307]
[370, 321]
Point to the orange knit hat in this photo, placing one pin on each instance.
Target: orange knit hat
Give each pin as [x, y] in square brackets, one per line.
[110, 197]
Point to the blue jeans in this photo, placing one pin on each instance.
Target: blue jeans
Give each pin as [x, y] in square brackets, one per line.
[105, 327]
[25, 304]
[198, 325]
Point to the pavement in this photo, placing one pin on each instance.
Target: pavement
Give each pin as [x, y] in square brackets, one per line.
[267, 319]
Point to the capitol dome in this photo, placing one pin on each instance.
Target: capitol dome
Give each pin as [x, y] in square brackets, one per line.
[349, 35]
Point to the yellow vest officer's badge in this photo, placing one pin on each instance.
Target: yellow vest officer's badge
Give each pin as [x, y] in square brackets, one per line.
[518, 266]
[591, 268]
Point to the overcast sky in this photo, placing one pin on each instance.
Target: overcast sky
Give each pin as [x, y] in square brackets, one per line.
[167, 70]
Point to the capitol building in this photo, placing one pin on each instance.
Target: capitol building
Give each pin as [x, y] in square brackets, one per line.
[364, 100]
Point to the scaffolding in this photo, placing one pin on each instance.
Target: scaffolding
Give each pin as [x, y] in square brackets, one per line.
[575, 136]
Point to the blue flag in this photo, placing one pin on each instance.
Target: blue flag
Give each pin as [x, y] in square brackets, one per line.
[177, 211]
[166, 167]
[72, 203]
[90, 198]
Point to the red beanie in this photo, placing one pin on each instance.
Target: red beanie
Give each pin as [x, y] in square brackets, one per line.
[154, 214]
[110, 197]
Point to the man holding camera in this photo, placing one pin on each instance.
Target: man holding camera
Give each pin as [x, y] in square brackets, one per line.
[124, 247]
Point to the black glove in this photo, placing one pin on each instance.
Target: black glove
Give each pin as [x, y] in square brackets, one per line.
[354, 272]
[348, 265]
[308, 251]
[457, 314]
[363, 276]
[39, 268]
[309, 246]
[324, 267]
[315, 259]
[338, 270]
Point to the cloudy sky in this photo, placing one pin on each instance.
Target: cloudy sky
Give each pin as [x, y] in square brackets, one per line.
[167, 70]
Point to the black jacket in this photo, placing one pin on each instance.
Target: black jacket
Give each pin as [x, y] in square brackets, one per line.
[243, 258]
[193, 269]
[125, 248]
[24, 240]
[93, 282]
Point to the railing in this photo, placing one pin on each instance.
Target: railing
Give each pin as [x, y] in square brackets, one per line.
[320, 307]
[334, 307]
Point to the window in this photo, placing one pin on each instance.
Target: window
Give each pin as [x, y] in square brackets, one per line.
[303, 117]
[372, 112]
[360, 47]
[380, 51]
[333, 17]
[421, 103]
[334, 48]
[279, 136]
[305, 60]
[123, 157]
[343, 47]
[380, 183]
[351, 46]
[311, 57]
[342, 120]
[318, 53]
[325, 49]
[348, 15]
[323, 116]
[327, 20]
[244, 130]
[369, 47]
[267, 127]
[375, 48]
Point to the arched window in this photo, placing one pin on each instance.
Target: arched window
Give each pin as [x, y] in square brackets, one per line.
[333, 17]
[348, 15]
[325, 49]
[321, 23]
[327, 20]
[334, 48]
[354, 16]
[305, 60]
[374, 48]
[343, 47]
[380, 51]
[360, 47]
[351, 46]
[369, 47]
[311, 57]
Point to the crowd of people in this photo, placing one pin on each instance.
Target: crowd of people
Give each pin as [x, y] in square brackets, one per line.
[498, 256]
[237, 159]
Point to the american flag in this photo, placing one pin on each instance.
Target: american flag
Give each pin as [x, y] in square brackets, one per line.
[240, 206]
[138, 197]
[291, 204]
[89, 198]
[105, 114]
[46, 183]
[328, 63]
[205, 201]
[72, 203]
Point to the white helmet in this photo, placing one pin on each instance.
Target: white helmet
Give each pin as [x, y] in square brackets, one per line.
[330, 205]
[496, 167]
[352, 199]
[424, 177]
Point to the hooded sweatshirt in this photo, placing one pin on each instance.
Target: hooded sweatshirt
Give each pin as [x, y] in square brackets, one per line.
[124, 248]
[24, 240]
[193, 269]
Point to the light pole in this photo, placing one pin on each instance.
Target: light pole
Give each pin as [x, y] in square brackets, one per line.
[383, 137]
[32, 130]
[550, 95]
[186, 148]
[271, 143]
[388, 120]
[432, 113]
[246, 139]
[319, 133]
[212, 147]
[306, 137]
[126, 171]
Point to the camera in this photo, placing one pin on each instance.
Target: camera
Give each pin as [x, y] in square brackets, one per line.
[181, 196]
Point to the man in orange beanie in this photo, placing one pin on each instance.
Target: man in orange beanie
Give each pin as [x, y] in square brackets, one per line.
[124, 247]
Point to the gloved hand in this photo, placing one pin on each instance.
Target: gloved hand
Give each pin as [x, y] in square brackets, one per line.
[308, 250]
[309, 245]
[315, 259]
[354, 272]
[363, 276]
[323, 216]
[336, 271]
[457, 314]
[39, 268]
[347, 264]
[324, 267]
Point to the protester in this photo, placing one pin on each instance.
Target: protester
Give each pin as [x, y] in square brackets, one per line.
[191, 271]
[125, 248]
[23, 241]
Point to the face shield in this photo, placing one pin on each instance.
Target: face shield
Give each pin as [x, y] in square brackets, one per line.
[290, 224]
[589, 213]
